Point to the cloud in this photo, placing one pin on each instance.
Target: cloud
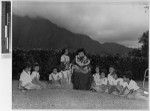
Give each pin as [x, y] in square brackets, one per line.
[104, 22]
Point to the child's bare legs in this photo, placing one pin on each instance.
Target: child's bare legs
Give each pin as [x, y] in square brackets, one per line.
[32, 86]
[137, 95]
[111, 89]
[38, 82]
[103, 88]
[43, 85]
[95, 88]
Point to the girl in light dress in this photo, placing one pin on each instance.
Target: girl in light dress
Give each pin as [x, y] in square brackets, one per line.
[96, 80]
[100, 81]
[65, 60]
[116, 85]
[104, 83]
[55, 78]
[36, 76]
[65, 68]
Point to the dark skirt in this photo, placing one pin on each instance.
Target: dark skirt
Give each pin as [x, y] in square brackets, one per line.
[81, 81]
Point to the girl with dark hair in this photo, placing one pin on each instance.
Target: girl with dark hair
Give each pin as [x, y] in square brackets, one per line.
[36, 76]
[65, 68]
[65, 60]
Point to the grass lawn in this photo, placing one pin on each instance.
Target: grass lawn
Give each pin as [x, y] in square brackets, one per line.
[71, 99]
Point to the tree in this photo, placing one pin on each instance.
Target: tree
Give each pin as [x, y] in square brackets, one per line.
[144, 41]
[135, 53]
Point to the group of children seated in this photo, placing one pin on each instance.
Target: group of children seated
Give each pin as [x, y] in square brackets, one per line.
[112, 84]
[30, 78]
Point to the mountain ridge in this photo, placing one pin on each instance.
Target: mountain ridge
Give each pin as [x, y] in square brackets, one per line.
[38, 32]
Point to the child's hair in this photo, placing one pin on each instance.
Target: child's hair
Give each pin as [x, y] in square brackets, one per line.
[97, 67]
[34, 65]
[27, 65]
[104, 71]
[56, 67]
[128, 74]
[80, 50]
[63, 51]
[113, 66]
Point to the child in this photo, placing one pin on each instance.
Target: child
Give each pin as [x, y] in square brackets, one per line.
[104, 83]
[66, 76]
[55, 77]
[132, 90]
[114, 84]
[35, 76]
[26, 79]
[110, 75]
[65, 60]
[96, 78]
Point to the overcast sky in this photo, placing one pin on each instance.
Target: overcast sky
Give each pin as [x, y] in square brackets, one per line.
[122, 23]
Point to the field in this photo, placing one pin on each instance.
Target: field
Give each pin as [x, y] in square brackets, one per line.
[70, 99]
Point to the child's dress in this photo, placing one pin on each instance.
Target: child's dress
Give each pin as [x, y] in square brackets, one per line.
[111, 80]
[96, 82]
[35, 74]
[65, 62]
[35, 79]
[55, 78]
[97, 79]
[112, 85]
[104, 85]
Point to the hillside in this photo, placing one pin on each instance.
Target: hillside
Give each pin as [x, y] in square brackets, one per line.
[38, 32]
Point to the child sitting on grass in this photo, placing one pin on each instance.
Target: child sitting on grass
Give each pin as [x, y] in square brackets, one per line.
[114, 85]
[36, 76]
[104, 83]
[55, 78]
[96, 79]
[110, 75]
[131, 89]
[25, 81]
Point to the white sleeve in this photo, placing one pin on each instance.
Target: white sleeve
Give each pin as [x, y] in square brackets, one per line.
[38, 75]
[62, 58]
[21, 77]
[50, 77]
[135, 86]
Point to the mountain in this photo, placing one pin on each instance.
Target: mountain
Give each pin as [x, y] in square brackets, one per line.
[38, 32]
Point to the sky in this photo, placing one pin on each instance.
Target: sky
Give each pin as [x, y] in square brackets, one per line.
[119, 22]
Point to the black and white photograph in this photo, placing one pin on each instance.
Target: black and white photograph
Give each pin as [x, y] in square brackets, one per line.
[80, 54]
